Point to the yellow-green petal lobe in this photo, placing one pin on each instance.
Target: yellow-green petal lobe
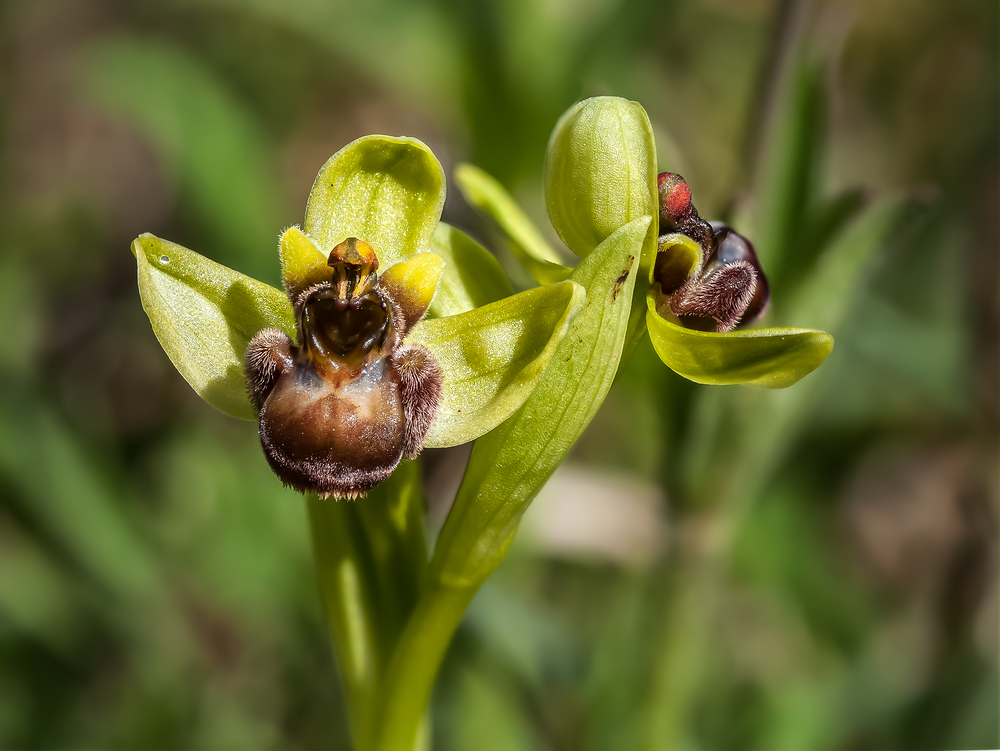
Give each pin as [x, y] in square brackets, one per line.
[493, 356]
[677, 257]
[412, 283]
[472, 275]
[386, 191]
[767, 358]
[204, 315]
[302, 263]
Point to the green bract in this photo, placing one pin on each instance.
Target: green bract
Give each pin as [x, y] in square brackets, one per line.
[389, 192]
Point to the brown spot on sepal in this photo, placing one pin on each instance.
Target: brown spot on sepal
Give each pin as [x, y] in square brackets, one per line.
[616, 288]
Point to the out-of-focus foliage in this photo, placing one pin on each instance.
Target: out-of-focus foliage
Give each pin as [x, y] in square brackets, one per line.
[820, 562]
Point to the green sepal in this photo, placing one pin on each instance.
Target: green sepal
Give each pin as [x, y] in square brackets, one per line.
[486, 193]
[204, 315]
[472, 276]
[386, 191]
[493, 356]
[600, 171]
[509, 465]
[767, 358]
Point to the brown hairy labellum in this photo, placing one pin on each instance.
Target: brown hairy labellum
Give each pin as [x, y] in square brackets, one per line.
[727, 287]
[341, 407]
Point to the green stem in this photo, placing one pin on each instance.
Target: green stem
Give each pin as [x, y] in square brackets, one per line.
[419, 653]
[371, 562]
[347, 592]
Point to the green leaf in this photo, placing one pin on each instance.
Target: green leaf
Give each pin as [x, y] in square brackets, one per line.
[204, 315]
[510, 464]
[769, 358]
[386, 191]
[600, 171]
[489, 196]
[493, 356]
[472, 275]
[205, 136]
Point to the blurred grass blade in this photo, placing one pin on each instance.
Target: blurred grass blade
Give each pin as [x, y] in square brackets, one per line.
[74, 504]
[825, 223]
[489, 196]
[825, 297]
[204, 315]
[472, 275]
[600, 172]
[386, 191]
[205, 136]
[790, 175]
[493, 356]
[769, 358]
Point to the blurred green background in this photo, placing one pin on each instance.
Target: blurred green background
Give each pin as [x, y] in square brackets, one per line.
[712, 569]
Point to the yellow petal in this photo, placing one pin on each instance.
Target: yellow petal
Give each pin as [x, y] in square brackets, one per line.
[302, 263]
[412, 284]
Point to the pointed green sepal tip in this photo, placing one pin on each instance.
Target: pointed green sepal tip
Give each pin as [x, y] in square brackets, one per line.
[600, 171]
[384, 190]
[204, 315]
[766, 358]
[485, 192]
[492, 357]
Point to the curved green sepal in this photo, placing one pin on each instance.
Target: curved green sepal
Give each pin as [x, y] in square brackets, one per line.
[485, 193]
[386, 191]
[768, 358]
[204, 315]
[302, 263]
[600, 171]
[472, 275]
[509, 465]
[493, 356]
[412, 284]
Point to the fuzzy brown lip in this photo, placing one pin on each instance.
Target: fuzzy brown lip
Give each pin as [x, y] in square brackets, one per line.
[339, 410]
